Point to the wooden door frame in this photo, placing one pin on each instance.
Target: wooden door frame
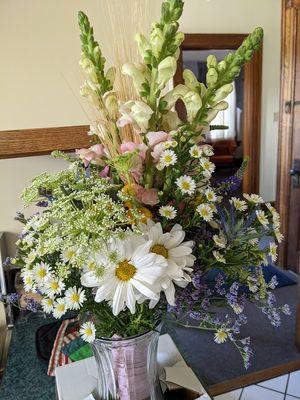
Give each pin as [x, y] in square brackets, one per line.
[252, 95]
[285, 139]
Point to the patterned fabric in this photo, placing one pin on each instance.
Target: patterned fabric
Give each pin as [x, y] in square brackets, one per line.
[58, 358]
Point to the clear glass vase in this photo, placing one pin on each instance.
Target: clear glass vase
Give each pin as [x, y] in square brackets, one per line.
[128, 368]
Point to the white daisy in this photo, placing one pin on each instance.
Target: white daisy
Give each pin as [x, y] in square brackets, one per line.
[205, 211]
[28, 281]
[69, 255]
[210, 195]
[253, 198]
[75, 298]
[59, 308]
[47, 304]
[132, 272]
[54, 286]
[221, 336]
[167, 212]
[261, 216]
[220, 240]
[177, 254]
[42, 272]
[186, 184]
[207, 165]
[273, 251]
[219, 257]
[207, 150]
[195, 151]
[239, 205]
[279, 235]
[167, 158]
[88, 332]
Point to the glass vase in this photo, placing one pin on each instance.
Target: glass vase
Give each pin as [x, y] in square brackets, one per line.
[128, 368]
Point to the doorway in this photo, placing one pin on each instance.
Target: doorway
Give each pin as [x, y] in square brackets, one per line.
[243, 115]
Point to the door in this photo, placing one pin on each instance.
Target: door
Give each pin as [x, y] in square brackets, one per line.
[288, 188]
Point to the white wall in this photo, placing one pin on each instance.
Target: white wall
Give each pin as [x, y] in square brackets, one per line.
[39, 76]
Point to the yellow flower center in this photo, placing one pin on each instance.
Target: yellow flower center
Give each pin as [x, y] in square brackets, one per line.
[75, 297]
[54, 285]
[168, 158]
[160, 249]
[88, 332]
[61, 307]
[125, 271]
[186, 185]
[42, 273]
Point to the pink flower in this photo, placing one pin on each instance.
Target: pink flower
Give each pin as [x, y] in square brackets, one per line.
[93, 154]
[131, 146]
[104, 173]
[146, 196]
[157, 142]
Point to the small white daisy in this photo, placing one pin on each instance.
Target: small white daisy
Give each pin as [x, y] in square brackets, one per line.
[261, 216]
[210, 195]
[42, 272]
[167, 212]
[273, 251]
[220, 240]
[239, 205]
[47, 304]
[28, 281]
[207, 150]
[167, 158]
[219, 257]
[207, 165]
[54, 286]
[279, 235]
[253, 198]
[205, 211]
[195, 151]
[59, 308]
[75, 298]
[221, 336]
[69, 255]
[88, 332]
[186, 184]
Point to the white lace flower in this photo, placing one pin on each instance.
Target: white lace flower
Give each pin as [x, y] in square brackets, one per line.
[59, 308]
[88, 332]
[47, 304]
[176, 252]
[253, 198]
[210, 195]
[130, 271]
[41, 272]
[205, 211]
[186, 184]
[75, 298]
[31, 257]
[261, 216]
[195, 151]
[239, 205]
[167, 212]
[54, 286]
[273, 251]
[167, 158]
[219, 257]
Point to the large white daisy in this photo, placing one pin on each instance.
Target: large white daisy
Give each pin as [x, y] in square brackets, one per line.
[175, 251]
[128, 271]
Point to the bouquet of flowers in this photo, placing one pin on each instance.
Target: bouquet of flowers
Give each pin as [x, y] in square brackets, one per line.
[130, 233]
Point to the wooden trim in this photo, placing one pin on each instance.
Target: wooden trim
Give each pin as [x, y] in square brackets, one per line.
[253, 378]
[288, 63]
[292, 4]
[28, 142]
[252, 95]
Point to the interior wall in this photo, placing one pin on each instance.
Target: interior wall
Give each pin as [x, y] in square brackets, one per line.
[40, 77]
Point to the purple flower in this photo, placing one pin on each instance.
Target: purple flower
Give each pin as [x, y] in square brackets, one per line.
[42, 203]
[7, 262]
[31, 304]
[12, 298]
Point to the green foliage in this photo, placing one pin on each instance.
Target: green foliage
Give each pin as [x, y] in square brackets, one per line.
[92, 53]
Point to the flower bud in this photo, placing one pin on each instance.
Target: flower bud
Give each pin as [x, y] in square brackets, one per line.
[222, 93]
[111, 103]
[111, 75]
[211, 61]
[166, 71]
[211, 76]
[179, 38]
[156, 40]
[193, 103]
[143, 44]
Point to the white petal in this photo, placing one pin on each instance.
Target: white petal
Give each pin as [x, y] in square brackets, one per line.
[175, 240]
[105, 291]
[141, 251]
[89, 279]
[130, 299]
[119, 298]
[149, 275]
[170, 294]
[180, 251]
[142, 288]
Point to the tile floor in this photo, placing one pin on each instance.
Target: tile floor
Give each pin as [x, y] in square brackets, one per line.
[285, 387]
